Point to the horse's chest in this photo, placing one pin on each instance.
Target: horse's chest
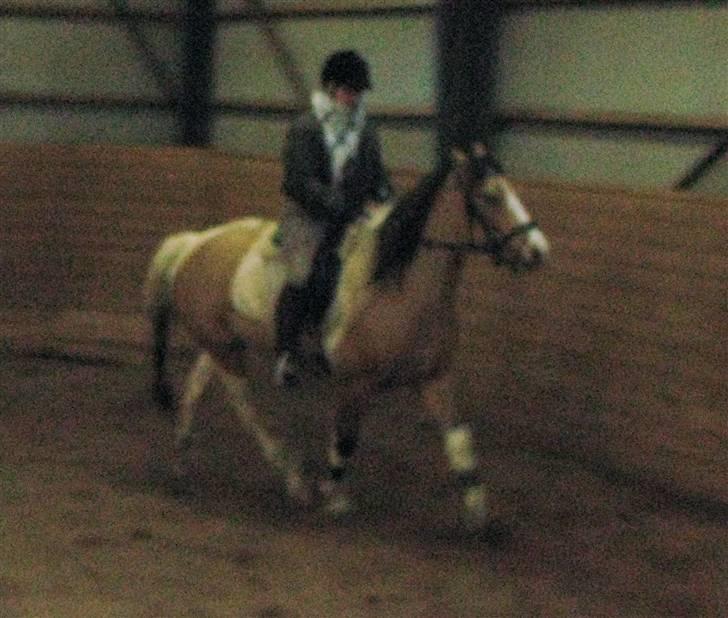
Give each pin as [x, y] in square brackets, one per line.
[393, 340]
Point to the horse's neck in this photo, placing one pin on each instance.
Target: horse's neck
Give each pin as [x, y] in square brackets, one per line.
[409, 311]
[401, 234]
[434, 275]
[447, 222]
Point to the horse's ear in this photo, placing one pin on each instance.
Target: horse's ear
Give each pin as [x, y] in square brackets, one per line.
[480, 150]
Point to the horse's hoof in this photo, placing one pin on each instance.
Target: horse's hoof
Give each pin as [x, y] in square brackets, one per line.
[298, 490]
[336, 500]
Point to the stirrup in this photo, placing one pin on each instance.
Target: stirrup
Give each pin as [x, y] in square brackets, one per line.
[286, 373]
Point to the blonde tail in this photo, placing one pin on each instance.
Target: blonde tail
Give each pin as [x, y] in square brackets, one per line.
[158, 295]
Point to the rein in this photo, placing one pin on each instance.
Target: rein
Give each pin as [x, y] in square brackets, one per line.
[494, 245]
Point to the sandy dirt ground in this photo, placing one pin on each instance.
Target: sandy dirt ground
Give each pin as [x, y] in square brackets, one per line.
[90, 525]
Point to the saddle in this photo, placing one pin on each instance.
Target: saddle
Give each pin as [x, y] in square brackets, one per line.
[262, 274]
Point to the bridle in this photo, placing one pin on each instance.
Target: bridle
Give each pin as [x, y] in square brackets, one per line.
[495, 243]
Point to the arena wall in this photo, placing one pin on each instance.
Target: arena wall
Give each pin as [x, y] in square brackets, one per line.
[615, 353]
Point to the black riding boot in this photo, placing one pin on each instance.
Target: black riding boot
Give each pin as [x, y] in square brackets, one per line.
[291, 315]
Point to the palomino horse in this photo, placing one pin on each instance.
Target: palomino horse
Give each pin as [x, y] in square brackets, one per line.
[399, 327]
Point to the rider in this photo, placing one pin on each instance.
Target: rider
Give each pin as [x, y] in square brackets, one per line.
[332, 165]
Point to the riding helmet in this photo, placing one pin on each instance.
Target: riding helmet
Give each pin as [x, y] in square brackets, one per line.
[346, 68]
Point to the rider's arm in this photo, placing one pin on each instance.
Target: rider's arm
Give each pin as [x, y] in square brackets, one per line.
[368, 181]
[301, 181]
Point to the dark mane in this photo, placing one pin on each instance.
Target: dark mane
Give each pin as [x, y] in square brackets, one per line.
[401, 232]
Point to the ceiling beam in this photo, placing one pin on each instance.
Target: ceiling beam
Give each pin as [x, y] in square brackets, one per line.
[280, 50]
[703, 166]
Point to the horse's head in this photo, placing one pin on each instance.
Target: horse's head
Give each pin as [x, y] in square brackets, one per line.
[512, 237]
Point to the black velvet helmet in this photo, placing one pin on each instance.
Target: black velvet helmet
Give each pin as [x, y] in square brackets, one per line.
[346, 68]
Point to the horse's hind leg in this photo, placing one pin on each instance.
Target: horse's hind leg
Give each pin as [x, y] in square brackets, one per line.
[335, 489]
[195, 384]
[273, 449]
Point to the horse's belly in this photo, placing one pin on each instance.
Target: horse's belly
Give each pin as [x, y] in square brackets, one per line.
[203, 282]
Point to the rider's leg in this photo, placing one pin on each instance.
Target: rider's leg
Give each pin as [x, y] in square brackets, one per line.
[300, 306]
[291, 314]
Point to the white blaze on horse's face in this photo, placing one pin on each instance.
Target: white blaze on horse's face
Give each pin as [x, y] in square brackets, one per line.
[525, 250]
[517, 241]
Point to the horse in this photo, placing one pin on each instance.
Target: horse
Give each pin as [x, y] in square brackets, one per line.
[392, 323]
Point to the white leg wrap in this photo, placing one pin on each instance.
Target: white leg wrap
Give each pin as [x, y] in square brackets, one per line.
[459, 449]
[335, 458]
[337, 501]
[461, 453]
[197, 380]
[475, 501]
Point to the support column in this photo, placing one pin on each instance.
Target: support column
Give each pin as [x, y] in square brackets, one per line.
[196, 104]
[467, 36]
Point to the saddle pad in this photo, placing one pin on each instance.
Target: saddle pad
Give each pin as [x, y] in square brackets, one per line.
[261, 275]
[259, 278]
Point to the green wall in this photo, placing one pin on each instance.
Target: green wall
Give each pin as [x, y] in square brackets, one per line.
[658, 61]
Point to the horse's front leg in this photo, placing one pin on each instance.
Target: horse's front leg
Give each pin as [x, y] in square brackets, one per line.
[439, 399]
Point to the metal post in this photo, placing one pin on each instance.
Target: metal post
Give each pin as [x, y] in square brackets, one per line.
[160, 71]
[280, 50]
[196, 104]
[703, 166]
[467, 33]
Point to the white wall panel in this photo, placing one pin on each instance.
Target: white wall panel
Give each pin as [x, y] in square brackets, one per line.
[716, 181]
[250, 135]
[652, 60]
[73, 126]
[401, 53]
[611, 159]
[409, 148]
[245, 68]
